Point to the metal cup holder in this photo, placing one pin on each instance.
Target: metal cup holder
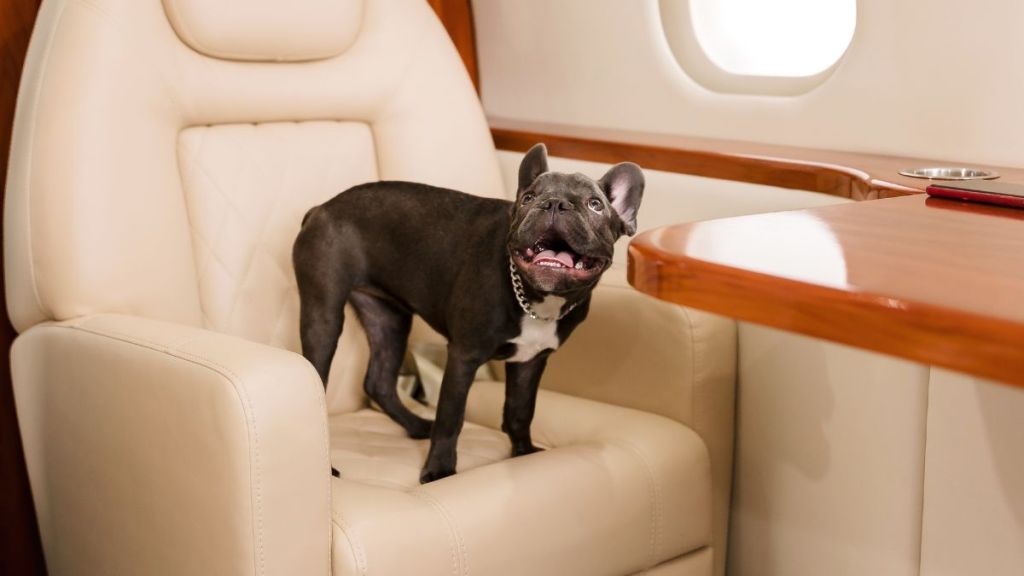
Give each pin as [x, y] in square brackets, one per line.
[949, 173]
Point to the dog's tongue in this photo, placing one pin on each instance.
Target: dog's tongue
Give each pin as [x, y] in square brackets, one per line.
[563, 257]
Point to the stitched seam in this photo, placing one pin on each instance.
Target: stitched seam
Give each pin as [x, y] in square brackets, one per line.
[246, 408]
[257, 242]
[208, 321]
[197, 262]
[200, 170]
[201, 182]
[258, 488]
[197, 233]
[692, 388]
[192, 43]
[250, 144]
[275, 330]
[654, 489]
[460, 563]
[693, 367]
[325, 440]
[354, 546]
[174, 351]
[38, 90]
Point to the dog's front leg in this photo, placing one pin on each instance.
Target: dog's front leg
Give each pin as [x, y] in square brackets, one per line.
[451, 411]
[521, 382]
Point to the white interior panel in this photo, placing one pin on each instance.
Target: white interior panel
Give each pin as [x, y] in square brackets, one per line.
[931, 78]
[974, 478]
[829, 459]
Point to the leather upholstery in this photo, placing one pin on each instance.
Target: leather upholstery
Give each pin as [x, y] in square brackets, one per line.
[136, 87]
[663, 359]
[246, 190]
[148, 226]
[155, 448]
[635, 483]
[694, 563]
[266, 30]
[372, 449]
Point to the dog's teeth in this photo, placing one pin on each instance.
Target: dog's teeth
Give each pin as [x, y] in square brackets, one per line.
[579, 265]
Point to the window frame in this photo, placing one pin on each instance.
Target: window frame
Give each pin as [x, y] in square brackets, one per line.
[680, 33]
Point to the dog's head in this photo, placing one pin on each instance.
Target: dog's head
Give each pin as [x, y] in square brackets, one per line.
[564, 226]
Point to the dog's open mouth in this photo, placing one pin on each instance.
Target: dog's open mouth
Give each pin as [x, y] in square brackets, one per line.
[552, 252]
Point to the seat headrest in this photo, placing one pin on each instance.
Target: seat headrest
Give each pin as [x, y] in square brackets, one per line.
[266, 30]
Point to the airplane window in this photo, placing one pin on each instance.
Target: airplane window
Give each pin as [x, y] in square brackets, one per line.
[765, 47]
[774, 37]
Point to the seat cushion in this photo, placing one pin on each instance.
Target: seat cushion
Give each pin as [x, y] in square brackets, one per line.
[617, 491]
[368, 447]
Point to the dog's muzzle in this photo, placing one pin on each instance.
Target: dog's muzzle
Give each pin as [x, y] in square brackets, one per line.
[549, 258]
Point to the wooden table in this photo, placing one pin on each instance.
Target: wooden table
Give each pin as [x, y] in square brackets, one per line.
[934, 281]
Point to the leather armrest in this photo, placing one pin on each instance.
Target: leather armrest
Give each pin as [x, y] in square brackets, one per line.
[639, 352]
[157, 448]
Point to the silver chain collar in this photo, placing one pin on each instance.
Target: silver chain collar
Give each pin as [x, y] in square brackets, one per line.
[517, 286]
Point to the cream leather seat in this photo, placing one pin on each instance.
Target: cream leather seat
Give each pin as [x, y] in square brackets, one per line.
[164, 153]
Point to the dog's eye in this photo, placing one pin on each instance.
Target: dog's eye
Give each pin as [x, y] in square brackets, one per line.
[527, 198]
[595, 204]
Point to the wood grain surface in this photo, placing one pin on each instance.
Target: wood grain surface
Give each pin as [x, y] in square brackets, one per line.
[847, 174]
[20, 549]
[457, 17]
[934, 281]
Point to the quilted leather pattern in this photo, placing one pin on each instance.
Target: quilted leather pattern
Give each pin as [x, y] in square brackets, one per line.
[247, 187]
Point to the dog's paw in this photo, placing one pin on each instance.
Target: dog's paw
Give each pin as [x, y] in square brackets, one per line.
[429, 475]
[525, 449]
[419, 429]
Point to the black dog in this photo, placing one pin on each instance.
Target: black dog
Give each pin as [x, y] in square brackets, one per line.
[500, 280]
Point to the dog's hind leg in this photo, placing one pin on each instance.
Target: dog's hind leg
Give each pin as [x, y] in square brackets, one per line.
[324, 284]
[387, 327]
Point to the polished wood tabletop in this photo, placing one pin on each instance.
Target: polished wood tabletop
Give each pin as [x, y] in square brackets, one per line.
[852, 175]
[934, 281]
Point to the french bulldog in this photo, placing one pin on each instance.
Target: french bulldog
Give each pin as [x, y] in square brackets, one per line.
[500, 280]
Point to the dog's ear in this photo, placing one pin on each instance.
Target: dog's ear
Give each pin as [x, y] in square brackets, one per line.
[624, 186]
[534, 164]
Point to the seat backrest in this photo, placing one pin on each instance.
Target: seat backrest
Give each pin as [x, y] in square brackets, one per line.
[164, 152]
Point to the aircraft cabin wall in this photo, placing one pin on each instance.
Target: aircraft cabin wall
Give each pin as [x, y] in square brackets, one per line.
[847, 462]
[928, 78]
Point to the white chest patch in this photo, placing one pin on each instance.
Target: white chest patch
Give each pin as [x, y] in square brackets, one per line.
[538, 335]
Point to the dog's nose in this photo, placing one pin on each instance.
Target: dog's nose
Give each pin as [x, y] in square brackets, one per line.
[561, 205]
